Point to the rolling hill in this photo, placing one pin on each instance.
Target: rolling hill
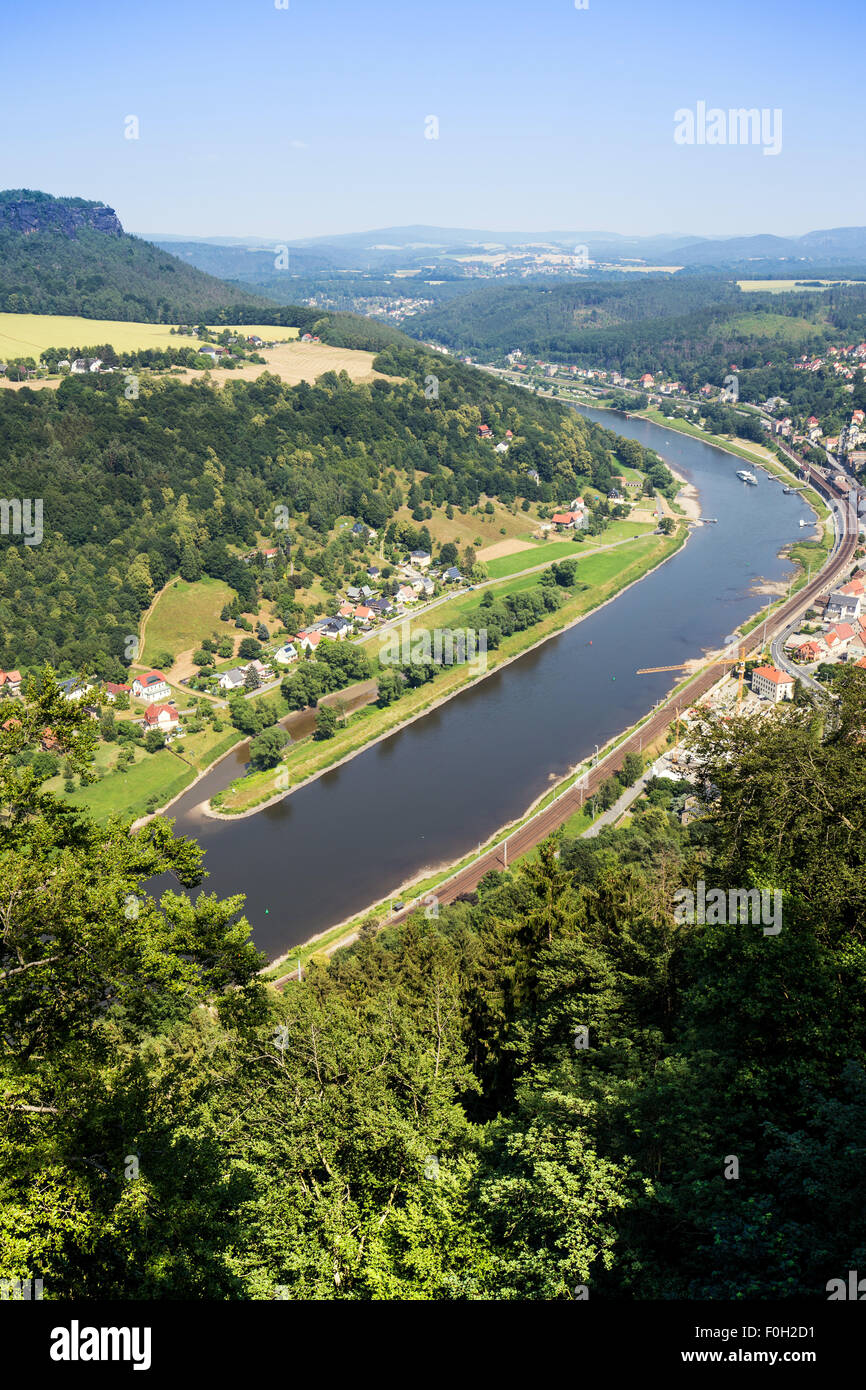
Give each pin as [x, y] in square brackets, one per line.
[71, 256]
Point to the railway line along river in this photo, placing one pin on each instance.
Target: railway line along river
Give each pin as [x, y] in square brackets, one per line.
[428, 794]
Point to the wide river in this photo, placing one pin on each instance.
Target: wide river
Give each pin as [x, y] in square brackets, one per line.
[430, 793]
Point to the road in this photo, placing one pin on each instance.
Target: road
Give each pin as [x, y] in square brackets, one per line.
[411, 615]
[559, 810]
[572, 800]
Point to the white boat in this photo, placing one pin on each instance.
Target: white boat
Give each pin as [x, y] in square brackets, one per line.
[804, 523]
[747, 477]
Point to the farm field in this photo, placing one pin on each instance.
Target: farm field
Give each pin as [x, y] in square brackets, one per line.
[184, 613]
[763, 325]
[565, 549]
[786, 286]
[296, 362]
[27, 335]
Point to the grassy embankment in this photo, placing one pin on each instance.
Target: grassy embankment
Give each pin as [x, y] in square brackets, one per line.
[604, 573]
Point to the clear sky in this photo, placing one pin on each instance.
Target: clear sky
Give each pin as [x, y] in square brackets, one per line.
[309, 120]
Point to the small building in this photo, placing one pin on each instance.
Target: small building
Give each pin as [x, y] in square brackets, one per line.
[112, 689]
[452, 576]
[308, 641]
[10, 681]
[286, 654]
[162, 717]
[421, 558]
[75, 687]
[808, 652]
[772, 684]
[151, 686]
[839, 638]
[233, 679]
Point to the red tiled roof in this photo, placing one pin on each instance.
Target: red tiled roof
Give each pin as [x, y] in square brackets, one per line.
[9, 676]
[152, 713]
[771, 673]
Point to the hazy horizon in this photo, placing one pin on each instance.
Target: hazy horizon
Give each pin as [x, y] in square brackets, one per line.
[313, 121]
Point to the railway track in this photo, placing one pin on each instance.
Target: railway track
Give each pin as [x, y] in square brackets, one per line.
[564, 806]
[542, 824]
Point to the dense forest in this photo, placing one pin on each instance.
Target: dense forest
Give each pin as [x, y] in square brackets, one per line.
[64, 256]
[687, 327]
[541, 1088]
[183, 478]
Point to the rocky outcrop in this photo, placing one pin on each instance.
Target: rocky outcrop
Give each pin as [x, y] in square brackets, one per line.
[43, 214]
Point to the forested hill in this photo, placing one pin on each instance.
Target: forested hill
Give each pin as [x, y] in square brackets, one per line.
[679, 325]
[185, 477]
[561, 317]
[70, 256]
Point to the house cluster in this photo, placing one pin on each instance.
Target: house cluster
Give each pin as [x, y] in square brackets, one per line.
[843, 627]
[235, 678]
[363, 608]
[486, 433]
[574, 517]
[160, 712]
[843, 362]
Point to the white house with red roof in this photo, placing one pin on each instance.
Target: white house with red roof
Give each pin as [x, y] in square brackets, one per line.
[151, 686]
[772, 684]
[309, 641]
[162, 717]
[839, 638]
[10, 680]
[113, 689]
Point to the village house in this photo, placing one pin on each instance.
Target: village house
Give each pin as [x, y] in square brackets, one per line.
[151, 686]
[112, 690]
[771, 684]
[405, 594]
[363, 615]
[420, 558]
[308, 641]
[75, 687]
[162, 717]
[233, 679]
[381, 607]
[286, 654]
[808, 652]
[10, 681]
[839, 638]
[845, 603]
[452, 576]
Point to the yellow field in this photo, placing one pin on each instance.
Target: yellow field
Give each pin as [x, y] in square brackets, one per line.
[27, 335]
[786, 286]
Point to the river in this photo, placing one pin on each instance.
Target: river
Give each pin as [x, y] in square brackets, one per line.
[430, 793]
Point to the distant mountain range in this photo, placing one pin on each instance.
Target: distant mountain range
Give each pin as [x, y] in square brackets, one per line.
[387, 248]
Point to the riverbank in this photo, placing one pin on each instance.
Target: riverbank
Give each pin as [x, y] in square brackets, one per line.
[491, 855]
[370, 728]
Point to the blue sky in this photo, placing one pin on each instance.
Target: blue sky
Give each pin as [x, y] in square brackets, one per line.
[311, 120]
